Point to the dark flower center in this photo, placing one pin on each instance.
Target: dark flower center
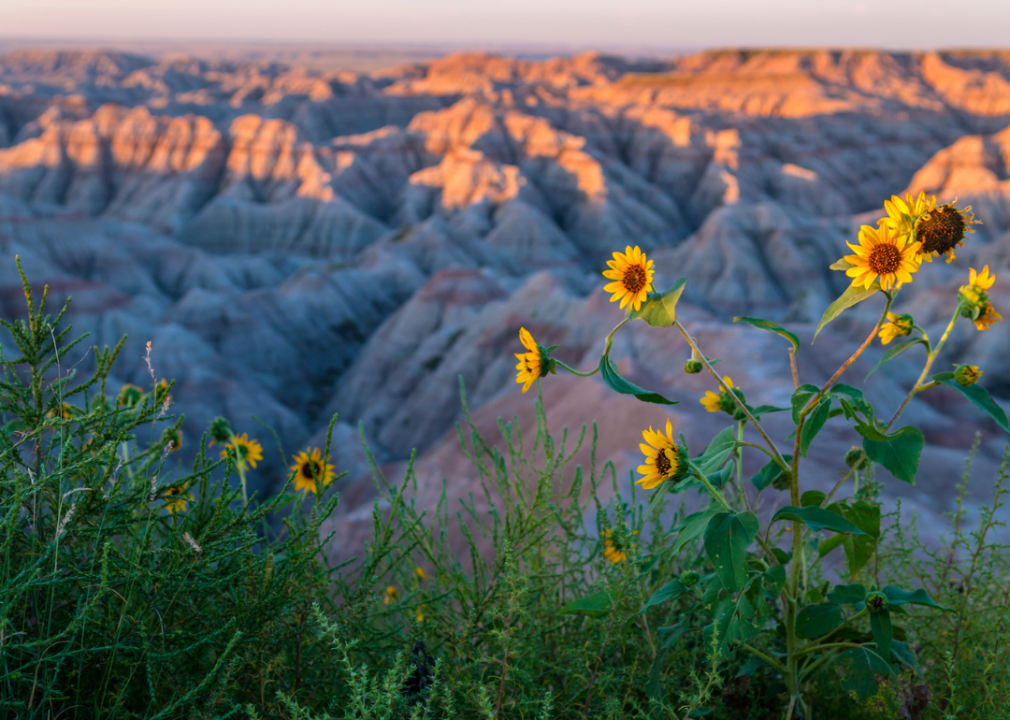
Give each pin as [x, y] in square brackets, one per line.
[312, 470]
[634, 279]
[884, 259]
[663, 464]
[941, 230]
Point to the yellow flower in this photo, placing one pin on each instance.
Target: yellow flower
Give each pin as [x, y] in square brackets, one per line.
[533, 364]
[420, 613]
[982, 280]
[245, 450]
[882, 255]
[714, 402]
[664, 459]
[943, 229]
[310, 468]
[896, 326]
[988, 317]
[613, 549]
[66, 412]
[974, 299]
[903, 214]
[171, 439]
[420, 574]
[632, 274]
[391, 595]
[175, 499]
[967, 375]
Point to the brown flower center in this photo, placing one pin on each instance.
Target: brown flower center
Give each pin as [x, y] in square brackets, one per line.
[634, 279]
[941, 230]
[884, 259]
[312, 470]
[663, 464]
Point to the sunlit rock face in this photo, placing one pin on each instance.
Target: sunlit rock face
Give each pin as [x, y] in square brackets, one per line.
[299, 244]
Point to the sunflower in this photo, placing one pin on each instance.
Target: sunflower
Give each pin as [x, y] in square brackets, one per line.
[129, 396]
[714, 402]
[943, 229]
[614, 550]
[967, 375]
[632, 274]
[664, 459]
[534, 364]
[171, 439]
[66, 412]
[248, 451]
[974, 299]
[895, 327]
[903, 214]
[420, 574]
[988, 317]
[391, 595]
[309, 468]
[176, 499]
[884, 255]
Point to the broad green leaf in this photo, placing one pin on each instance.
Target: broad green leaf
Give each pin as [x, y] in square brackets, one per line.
[979, 397]
[859, 549]
[771, 327]
[765, 410]
[660, 309]
[727, 538]
[899, 454]
[905, 655]
[817, 518]
[858, 669]
[769, 473]
[816, 620]
[897, 596]
[895, 352]
[812, 497]
[843, 389]
[814, 422]
[717, 451]
[775, 579]
[594, 606]
[669, 635]
[852, 296]
[801, 396]
[883, 632]
[610, 376]
[750, 667]
[847, 594]
[693, 527]
[826, 545]
[671, 591]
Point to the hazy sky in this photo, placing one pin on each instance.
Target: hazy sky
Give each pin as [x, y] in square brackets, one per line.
[669, 23]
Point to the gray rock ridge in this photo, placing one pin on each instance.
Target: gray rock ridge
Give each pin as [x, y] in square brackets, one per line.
[297, 244]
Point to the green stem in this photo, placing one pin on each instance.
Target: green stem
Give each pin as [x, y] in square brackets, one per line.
[764, 656]
[610, 336]
[738, 450]
[696, 471]
[930, 358]
[573, 371]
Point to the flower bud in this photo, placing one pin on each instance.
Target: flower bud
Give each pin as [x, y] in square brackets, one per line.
[856, 457]
[972, 301]
[689, 578]
[876, 602]
[129, 396]
[693, 367]
[966, 375]
[171, 439]
[220, 430]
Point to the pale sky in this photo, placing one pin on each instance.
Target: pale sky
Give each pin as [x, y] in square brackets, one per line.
[578, 23]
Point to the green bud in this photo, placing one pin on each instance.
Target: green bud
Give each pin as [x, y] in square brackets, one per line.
[693, 367]
[876, 602]
[173, 436]
[966, 375]
[129, 396]
[220, 430]
[689, 578]
[857, 455]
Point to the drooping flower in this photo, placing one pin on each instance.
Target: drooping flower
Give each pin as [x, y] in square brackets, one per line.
[665, 461]
[966, 375]
[902, 214]
[614, 549]
[882, 255]
[973, 299]
[533, 364]
[176, 499]
[988, 317]
[943, 229]
[391, 595]
[896, 326]
[632, 274]
[245, 451]
[714, 402]
[310, 469]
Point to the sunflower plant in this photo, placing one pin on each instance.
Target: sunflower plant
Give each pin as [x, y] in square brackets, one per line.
[753, 593]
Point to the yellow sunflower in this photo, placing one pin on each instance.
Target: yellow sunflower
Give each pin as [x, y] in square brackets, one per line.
[613, 549]
[882, 255]
[967, 375]
[895, 327]
[632, 274]
[245, 450]
[533, 364]
[903, 214]
[391, 595]
[714, 402]
[310, 468]
[176, 499]
[974, 299]
[664, 459]
[988, 317]
[942, 229]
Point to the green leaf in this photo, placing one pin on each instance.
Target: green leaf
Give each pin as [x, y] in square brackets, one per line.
[816, 620]
[899, 454]
[859, 550]
[847, 594]
[858, 669]
[852, 296]
[765, 410]
[660, 309]
[801, 396]
[883, 632]
[897, 596]
[812, 497]
[828, 544]
[610, 376]
[727, 538]
[769, 473]
[693, 527]
[771, 327]
[712, 458]
[814, 422]
[895, 352]
[750, 667]
[979, 397]
[594, 606]
[843, 389]
[671, 591]
[817, 518]
[775, 579]
[669, 635]
[905, 655]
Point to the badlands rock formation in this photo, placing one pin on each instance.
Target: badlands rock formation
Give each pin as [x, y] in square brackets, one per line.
[298, 244]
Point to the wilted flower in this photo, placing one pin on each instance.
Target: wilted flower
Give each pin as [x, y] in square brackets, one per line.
[943, 229]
